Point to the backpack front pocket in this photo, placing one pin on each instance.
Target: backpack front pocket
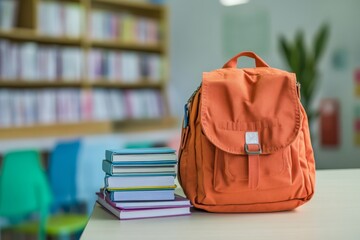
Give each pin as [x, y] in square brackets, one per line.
[231, 171]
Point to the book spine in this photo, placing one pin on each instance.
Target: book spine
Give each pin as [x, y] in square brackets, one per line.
[106, 181]
[110, 195]
[107, 167]
[109, 155]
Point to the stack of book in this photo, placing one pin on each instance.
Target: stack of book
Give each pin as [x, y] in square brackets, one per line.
[140, 183]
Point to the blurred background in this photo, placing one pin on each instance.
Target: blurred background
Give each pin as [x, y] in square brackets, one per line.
[80, 76]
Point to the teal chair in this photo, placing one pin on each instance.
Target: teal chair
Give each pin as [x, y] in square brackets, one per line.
[62, 178]
[24, 190]
[62, 174]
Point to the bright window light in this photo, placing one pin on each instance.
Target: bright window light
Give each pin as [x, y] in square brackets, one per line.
[233, 2]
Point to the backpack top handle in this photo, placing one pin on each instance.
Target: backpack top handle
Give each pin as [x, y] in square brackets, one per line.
[233, 61]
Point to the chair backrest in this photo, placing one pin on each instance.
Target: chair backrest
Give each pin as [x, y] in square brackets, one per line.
[90, 177]
[24, 187]
[62, 172]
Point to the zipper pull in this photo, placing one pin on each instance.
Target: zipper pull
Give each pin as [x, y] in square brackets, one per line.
[186, 115]
[298, 87]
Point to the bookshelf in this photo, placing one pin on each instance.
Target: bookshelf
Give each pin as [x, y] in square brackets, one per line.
[67, 51]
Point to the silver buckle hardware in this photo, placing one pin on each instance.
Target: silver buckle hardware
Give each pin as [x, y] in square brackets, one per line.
[252, 138]
[258, 152]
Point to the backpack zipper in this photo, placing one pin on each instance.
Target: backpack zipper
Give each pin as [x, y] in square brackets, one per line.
[298, 88]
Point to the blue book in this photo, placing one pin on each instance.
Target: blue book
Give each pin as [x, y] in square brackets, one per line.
[148, 167]
[142, 195]
[139, 180]
[141, 155]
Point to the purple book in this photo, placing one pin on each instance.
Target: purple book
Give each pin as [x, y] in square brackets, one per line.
[141, 212]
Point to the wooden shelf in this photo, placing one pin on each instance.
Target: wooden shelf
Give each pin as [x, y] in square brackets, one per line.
[27, 31]
[39, 84]
[129, 4]
[22, 34]
[127, 46]
[85, 83]
[136, 85]
[71, 129]
[86, 128]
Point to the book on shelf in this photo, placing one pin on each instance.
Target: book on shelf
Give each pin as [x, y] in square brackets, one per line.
[141, 155]
[124, 66]
[30, 61]
[150, 194]
[8, 14]
[111, 168]
[68, 105]
[60, 19]
[138, 213]
[139, 180]
[123, 27]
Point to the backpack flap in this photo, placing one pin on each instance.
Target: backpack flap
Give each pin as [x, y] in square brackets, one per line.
[261, 100]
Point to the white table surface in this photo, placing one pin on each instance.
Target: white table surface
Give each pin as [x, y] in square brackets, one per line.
[333, 213]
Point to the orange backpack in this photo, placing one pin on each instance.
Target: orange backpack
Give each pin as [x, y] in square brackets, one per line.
[245, 144]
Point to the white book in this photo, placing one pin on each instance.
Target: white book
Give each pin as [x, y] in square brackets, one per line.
[90, 65]
[97, 24]
[51, 54]
[98, 64]
[141, 24]
[66, 64]
[100, 110]
[155, 68]
[3, 65]
[53, 19]
[18, 108]
[132, 100]
[150, 104]
[117, 66]
[41, 63]
[9, 60]
[68, 105]
[60, 106]
[79, 60]
[130, 67]
[28, 61]
[73, 19]
[117, 108]
[41, 18]
[8, 14]
[112, 66]
[158, 104]
[5, 108]
[92, 25]
[133, 67]
[75, 110]
[125, 67]
[46, 106]
[29, 100]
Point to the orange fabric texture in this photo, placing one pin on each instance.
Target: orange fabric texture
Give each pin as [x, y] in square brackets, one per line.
[220, 168]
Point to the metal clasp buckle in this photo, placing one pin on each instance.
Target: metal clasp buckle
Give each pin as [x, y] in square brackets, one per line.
[253, 152]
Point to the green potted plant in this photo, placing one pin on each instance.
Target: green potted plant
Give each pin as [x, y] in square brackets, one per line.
[304, 62]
